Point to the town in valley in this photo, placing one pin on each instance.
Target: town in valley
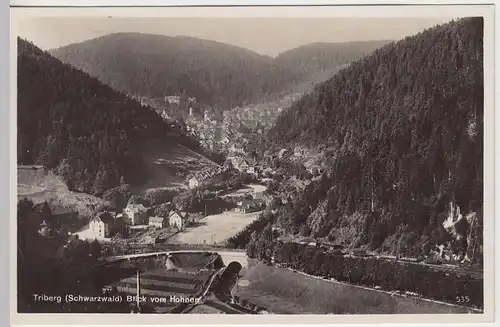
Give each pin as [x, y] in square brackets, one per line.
[159, 173]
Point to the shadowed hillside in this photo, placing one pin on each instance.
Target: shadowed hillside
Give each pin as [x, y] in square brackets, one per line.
[158, 66]
[214, 73]
[309, 61]
[90, 135]
[401, 133]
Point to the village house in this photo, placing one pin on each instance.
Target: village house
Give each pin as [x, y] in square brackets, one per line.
[193, 182]
[101, 225]
[314, 170]
[165, 115]
[247, 206]
[172, 99]
[252, 170]
[236, 150]
[237, 162]
[44, 229]
[242, 165]
[309, 242]
[149, 239]
[136, 213]
[203, 176]
[177, 219]
[158, 222]
[334, 248]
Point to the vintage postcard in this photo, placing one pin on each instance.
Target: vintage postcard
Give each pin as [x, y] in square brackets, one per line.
[242, 165]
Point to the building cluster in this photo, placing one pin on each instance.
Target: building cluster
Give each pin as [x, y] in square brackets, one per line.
[206, 128]
[106, 224]
[331, 247]
[245, 165]
[205, 175]
[250, 205]
[240, 163]
[172, 99]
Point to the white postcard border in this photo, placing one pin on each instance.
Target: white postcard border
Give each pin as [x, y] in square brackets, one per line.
[18, 14]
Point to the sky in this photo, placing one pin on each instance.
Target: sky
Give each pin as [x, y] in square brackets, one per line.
[267, 36]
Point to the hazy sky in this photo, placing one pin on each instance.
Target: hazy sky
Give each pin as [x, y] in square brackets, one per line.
[268, 36]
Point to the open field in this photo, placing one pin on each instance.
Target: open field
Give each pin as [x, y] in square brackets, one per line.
[250, 189]
[39, 185]
[257, 188]
[215, 228]
[283, 291]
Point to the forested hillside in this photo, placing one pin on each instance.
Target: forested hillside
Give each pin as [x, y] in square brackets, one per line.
[93, 136]
[158, 66]
[404, 131]
[214, 73]
[312, 59]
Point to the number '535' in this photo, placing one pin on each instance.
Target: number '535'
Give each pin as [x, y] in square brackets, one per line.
[463, 299]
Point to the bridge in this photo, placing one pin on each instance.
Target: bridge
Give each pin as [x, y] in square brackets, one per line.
[227, 256]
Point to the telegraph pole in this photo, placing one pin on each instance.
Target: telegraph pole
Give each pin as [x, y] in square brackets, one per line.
[138, 295]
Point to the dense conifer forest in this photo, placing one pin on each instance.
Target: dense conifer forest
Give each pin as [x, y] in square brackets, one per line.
[214, 73]
[90, 134]
[312, 58]
[403, 130]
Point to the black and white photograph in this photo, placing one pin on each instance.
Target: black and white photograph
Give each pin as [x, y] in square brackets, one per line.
[249, 165]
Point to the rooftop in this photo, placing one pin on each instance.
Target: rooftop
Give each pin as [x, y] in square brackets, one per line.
[136, 207]
[105, 217]
[180, 213]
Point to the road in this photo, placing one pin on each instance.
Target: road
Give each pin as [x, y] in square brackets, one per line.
[204, 291]
[475, 273]
[153, 254]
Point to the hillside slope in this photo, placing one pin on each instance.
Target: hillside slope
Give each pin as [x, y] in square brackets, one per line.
[403, 133]
[309, 61]
[158, 66]
[92, 136]
[214, 73]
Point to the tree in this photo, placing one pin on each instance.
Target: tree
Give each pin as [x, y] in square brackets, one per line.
[95, 249]
[118, 196]
[397, 152]
[65, 171]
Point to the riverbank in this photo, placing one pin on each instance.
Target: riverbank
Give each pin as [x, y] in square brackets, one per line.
[282, 290]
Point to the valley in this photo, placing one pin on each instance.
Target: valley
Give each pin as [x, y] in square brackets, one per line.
[330, 179]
